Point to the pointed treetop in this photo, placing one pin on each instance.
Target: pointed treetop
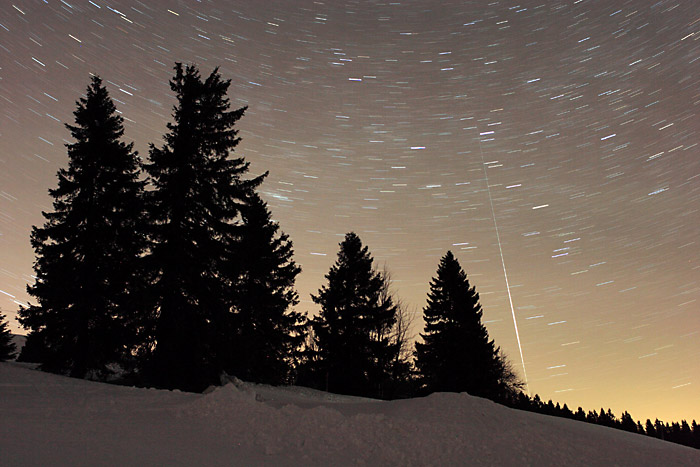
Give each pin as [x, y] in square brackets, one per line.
[94, 112]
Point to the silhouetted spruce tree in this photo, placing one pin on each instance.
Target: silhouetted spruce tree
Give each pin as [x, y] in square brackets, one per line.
[88, 250]
[627, 423]
[660, 429]
[592, 417]
[649, 428]
[549, 408]
[197, 196]
[686, 434]
[675, 435]
[566, 412]
[353, 349]
[606, 418]
[32, 350]
[456, 354]
[267, 333]
[537, 404]
[7, 347]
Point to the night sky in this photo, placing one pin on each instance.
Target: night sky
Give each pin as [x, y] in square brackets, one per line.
[552, 146]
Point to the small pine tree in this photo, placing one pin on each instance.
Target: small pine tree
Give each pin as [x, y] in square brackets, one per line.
[649, 428]
[32, 350]
[660, 429]
[537, 403]
[566, 412]
[549, 408]
[592, 417]
[627, 423]
[353, 350]
[267, 334]
[7, 347]
[686, 434]
[194, 205]
[88, 249]
[456, 354]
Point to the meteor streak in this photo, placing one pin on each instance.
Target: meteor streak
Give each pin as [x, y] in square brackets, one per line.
[503, 263]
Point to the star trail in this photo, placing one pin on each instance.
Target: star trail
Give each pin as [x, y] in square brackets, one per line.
[421, 125]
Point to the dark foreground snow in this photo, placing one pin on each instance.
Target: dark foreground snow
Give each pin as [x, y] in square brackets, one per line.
[52, 420]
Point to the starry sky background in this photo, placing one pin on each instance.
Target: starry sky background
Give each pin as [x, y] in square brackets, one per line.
[562, 134]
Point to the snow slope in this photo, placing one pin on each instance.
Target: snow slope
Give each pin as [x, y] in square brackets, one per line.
[53, 420]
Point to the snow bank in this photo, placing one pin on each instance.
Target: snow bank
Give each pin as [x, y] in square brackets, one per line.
[53, 420]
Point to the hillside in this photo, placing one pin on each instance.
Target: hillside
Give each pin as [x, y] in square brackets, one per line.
[55, 420]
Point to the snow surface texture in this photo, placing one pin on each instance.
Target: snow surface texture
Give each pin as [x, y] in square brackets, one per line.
[53, 420]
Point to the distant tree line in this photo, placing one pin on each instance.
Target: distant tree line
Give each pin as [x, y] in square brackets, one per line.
[676, 432]
[171, 273]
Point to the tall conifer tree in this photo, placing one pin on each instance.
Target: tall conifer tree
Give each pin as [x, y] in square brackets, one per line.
[7, 347]
[456, 354]
[198, 193]
[88, 250]
[353, 351]
[267, 332]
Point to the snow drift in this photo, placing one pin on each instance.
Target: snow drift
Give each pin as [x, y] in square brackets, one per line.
[54, 420]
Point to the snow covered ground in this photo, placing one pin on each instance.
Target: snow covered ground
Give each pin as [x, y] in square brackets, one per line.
[53, 420]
